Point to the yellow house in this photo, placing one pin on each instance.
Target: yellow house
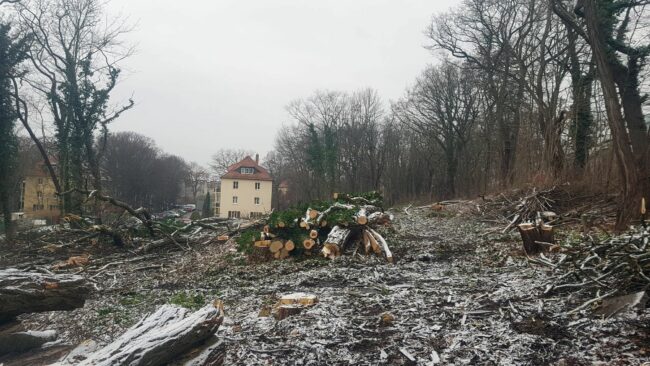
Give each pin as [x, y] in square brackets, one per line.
[246, 190]
[37, 196]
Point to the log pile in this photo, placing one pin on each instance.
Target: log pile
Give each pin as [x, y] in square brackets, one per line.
[618, 265]
[329, 228]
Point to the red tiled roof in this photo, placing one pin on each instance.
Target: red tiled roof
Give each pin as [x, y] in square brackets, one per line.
[247, 162]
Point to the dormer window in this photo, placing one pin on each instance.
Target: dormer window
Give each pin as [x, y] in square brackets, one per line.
[248, 170]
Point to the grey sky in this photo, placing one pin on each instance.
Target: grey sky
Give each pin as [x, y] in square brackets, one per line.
[212, 74]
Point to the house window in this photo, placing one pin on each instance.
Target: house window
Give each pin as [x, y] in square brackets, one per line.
[39, 194]
[256, 215]
[257, 200]
[247, 170]
[234, 214]
[40, 180]
[235, 185]
[234, 200]
[257, 185]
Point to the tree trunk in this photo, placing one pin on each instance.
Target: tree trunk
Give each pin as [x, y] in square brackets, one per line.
[158, 338]
[621, 139]
[29, 292]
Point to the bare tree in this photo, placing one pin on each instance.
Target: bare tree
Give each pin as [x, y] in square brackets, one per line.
[224, 158]
[197, 176]
[75, 52]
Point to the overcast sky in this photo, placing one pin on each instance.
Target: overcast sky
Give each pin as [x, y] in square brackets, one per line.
[212, 74]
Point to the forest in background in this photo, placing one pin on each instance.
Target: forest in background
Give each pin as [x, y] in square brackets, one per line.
[518, 92]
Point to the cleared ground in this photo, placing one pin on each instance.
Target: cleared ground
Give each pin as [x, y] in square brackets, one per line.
[454, 295]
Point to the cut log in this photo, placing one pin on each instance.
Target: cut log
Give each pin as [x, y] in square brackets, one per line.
[223, 238]
[312, 214]
[289, 246]
[373, 243]
[299, 298]
[313, 234]
[159, 338]
[284, 253]
[285, 311]
[335, 242]
[308, 243]
[276, 246]
[536, 239]
[30, 292]
[361, 216]
[263, 243]
[378, 218]
[382, 243]
[281, 224]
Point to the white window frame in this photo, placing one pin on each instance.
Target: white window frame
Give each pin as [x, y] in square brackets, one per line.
[258, 186]
[235, 184]
[246, 170]
[256, 200]
[235, 200]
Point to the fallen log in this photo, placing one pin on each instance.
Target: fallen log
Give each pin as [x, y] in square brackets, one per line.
[382, 243]
[30, 292]
[158, 338]
[335, 242]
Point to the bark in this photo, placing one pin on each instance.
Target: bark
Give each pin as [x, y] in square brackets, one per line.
[159, 338]
[605, 61]
[29, 292]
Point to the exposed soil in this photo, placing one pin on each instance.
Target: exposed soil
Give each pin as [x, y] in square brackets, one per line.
[453, 293]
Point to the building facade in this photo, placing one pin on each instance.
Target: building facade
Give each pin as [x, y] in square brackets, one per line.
[38, 199]
[246, 190]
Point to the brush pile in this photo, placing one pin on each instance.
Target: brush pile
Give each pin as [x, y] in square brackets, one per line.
[558, 205]
[326, 227]
[601, 269]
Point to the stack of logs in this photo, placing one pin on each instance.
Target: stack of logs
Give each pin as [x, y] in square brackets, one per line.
[345, 222]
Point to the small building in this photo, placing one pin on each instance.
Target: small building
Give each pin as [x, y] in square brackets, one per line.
[246, 190]
[38, 199]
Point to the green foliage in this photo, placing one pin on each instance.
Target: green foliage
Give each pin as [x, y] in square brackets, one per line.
[246, 240]
[190, 301]
[195, 215]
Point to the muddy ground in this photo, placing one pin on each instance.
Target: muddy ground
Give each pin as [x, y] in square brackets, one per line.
[455, 295]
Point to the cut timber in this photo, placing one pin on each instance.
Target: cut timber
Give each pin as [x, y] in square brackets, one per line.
[308, 243]
[367, 245]
[299, 298]
[281, 224]
[379, 218]
[312, 214]
[384, 246]
[285, 311]
[263, 243]
[223, 238]
[335, 242]
[160, 337]
[536, 239]
[373, 243]
[313, 234]
[361, 216]
[284, 253]
[30, 292]
[276, 246]
[289, 245]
